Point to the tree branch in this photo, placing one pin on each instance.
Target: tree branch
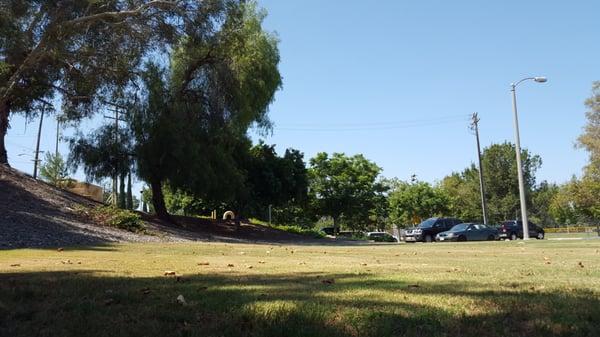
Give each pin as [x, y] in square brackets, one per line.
[124, 14]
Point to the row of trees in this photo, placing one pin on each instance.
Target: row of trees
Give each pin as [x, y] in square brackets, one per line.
[188, 79]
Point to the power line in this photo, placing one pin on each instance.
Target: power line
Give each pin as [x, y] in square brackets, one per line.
[377, 126]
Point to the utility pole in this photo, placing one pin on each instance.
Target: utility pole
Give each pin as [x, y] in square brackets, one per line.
[475, 127]
[37, 146]
[114, 193]
[57, 135]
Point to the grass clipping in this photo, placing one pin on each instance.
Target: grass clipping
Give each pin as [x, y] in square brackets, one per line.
[115, 217]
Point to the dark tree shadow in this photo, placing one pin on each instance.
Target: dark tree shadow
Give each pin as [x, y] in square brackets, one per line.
[80, 303]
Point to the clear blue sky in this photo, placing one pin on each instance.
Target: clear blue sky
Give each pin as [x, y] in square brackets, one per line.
[351, 68]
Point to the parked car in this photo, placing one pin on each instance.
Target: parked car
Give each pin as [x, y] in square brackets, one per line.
[468, 232]
[381, 237]
[428, 229]
[513, 229]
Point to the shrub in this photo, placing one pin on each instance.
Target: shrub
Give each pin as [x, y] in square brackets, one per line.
[300, 230]
[118, 218]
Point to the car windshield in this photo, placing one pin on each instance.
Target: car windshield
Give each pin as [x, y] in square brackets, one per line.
[460, 227]
[427, 223]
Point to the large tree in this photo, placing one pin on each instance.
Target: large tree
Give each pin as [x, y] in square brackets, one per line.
[273, 180]
[412, 202]
[500, 179]
[83, 49]
[344, 188]
[590, 139]
[193, 115]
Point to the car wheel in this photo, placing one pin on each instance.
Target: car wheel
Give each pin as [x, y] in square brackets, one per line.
[428, 238]
[462, 238]
[540, 236]
[491, 238]
[513, 236]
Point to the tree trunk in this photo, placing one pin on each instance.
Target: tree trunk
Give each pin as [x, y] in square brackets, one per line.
[4, 112]
[158, 200]
[129, 193]
[335, 226]
[122, 199]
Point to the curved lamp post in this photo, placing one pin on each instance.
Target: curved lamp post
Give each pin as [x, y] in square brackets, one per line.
[513, 87]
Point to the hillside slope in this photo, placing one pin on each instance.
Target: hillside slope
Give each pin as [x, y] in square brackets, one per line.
[36, 214]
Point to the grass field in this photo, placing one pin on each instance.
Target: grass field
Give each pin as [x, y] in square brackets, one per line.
[538, 288]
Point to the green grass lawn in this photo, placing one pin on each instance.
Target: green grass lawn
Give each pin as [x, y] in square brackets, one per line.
[538, 288]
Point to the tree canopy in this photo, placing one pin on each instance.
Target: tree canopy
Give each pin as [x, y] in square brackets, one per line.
[411, 202]
[344, 188]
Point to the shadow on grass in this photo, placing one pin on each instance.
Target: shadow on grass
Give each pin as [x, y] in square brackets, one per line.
[81, 303]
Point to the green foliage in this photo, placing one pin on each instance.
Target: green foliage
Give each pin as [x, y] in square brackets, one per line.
[590, 139]
[100, 154]
[344, 188]
[273, 180]
[541, 200]
[412, 202]
[562, 205]
[194, 115]
[118, 218]
[55, 171]
[577, 201]
[462, 191]
[501, 185]
[300, 230]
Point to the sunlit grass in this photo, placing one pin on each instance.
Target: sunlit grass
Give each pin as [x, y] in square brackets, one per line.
[537, 288]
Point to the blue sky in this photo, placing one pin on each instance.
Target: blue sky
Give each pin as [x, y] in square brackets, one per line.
[354, 69]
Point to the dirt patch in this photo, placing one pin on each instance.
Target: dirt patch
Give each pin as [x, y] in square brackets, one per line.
[36, 214]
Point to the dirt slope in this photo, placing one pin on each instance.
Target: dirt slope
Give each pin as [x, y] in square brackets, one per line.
[35, 214]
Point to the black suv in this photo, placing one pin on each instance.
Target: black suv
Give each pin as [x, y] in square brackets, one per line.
[513, 229]
[427, 229]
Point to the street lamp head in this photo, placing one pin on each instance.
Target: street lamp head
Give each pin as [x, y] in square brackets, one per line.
[540, 79]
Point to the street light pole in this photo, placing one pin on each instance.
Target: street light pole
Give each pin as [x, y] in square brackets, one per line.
[513, 89]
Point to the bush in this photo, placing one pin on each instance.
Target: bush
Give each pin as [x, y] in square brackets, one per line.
[317, 234]
[118, 218]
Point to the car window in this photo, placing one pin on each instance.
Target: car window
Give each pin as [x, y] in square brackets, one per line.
[460, 227]
[427, 223]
